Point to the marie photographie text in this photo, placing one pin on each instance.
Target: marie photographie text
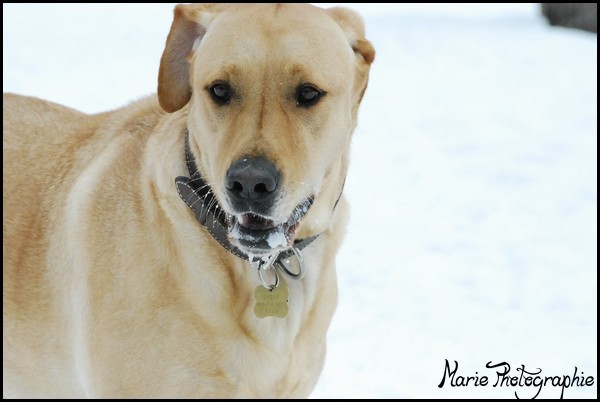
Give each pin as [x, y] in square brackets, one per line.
[527, 382]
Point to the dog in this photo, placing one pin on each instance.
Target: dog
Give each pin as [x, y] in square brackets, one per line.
[184, 245]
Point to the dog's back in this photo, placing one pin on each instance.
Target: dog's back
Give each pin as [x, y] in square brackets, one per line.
[39, 139]
[46, 148]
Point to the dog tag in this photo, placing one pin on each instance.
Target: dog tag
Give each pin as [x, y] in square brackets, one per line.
[271, 302]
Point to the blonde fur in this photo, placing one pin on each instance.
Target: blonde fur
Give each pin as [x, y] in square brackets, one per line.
[111, 288]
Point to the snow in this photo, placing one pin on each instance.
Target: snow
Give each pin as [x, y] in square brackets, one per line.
[277, 239]
[473, 185]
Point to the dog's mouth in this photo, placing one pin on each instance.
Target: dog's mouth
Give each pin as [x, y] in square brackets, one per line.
[258, 235]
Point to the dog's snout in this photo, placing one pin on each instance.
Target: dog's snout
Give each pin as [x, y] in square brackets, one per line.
[252, 184]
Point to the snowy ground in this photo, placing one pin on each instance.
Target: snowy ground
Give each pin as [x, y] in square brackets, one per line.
[473, 185]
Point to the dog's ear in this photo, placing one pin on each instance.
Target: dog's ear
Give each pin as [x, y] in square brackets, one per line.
[189, 26]
[354, 28]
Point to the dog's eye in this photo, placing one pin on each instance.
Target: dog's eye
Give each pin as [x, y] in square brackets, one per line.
[308, 95]
[220, 92]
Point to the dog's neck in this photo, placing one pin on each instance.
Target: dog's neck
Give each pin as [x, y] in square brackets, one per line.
[198, 195]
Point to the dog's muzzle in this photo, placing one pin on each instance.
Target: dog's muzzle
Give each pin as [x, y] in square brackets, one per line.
[243, 231]
[253, 186]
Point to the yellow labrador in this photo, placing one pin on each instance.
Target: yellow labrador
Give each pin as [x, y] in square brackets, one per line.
[184, 245]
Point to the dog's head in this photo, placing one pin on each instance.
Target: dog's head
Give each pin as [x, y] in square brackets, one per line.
[271, 92]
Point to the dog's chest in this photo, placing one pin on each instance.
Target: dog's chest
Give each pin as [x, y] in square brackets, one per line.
[280, 356]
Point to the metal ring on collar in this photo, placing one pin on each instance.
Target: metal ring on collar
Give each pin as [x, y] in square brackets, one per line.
[265, 265]
[264, 282]
[281, 265]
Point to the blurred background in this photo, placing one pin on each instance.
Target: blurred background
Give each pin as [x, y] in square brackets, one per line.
[473, 182]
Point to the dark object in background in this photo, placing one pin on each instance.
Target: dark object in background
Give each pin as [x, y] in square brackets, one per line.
[572, 15]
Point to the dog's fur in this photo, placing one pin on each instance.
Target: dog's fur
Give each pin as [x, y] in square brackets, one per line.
[111, 287]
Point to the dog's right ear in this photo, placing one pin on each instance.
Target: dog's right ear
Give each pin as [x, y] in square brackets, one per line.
[189, 26]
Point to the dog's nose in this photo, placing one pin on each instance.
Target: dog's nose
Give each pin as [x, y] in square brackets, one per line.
[252, 184]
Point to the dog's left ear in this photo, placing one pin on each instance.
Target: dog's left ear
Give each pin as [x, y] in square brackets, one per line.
[354, 28]
[190, 23]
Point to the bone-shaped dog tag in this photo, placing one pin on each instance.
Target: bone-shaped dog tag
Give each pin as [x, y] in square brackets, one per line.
[271, 302]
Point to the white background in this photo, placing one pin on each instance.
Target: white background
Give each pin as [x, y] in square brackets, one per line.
[473, 184]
